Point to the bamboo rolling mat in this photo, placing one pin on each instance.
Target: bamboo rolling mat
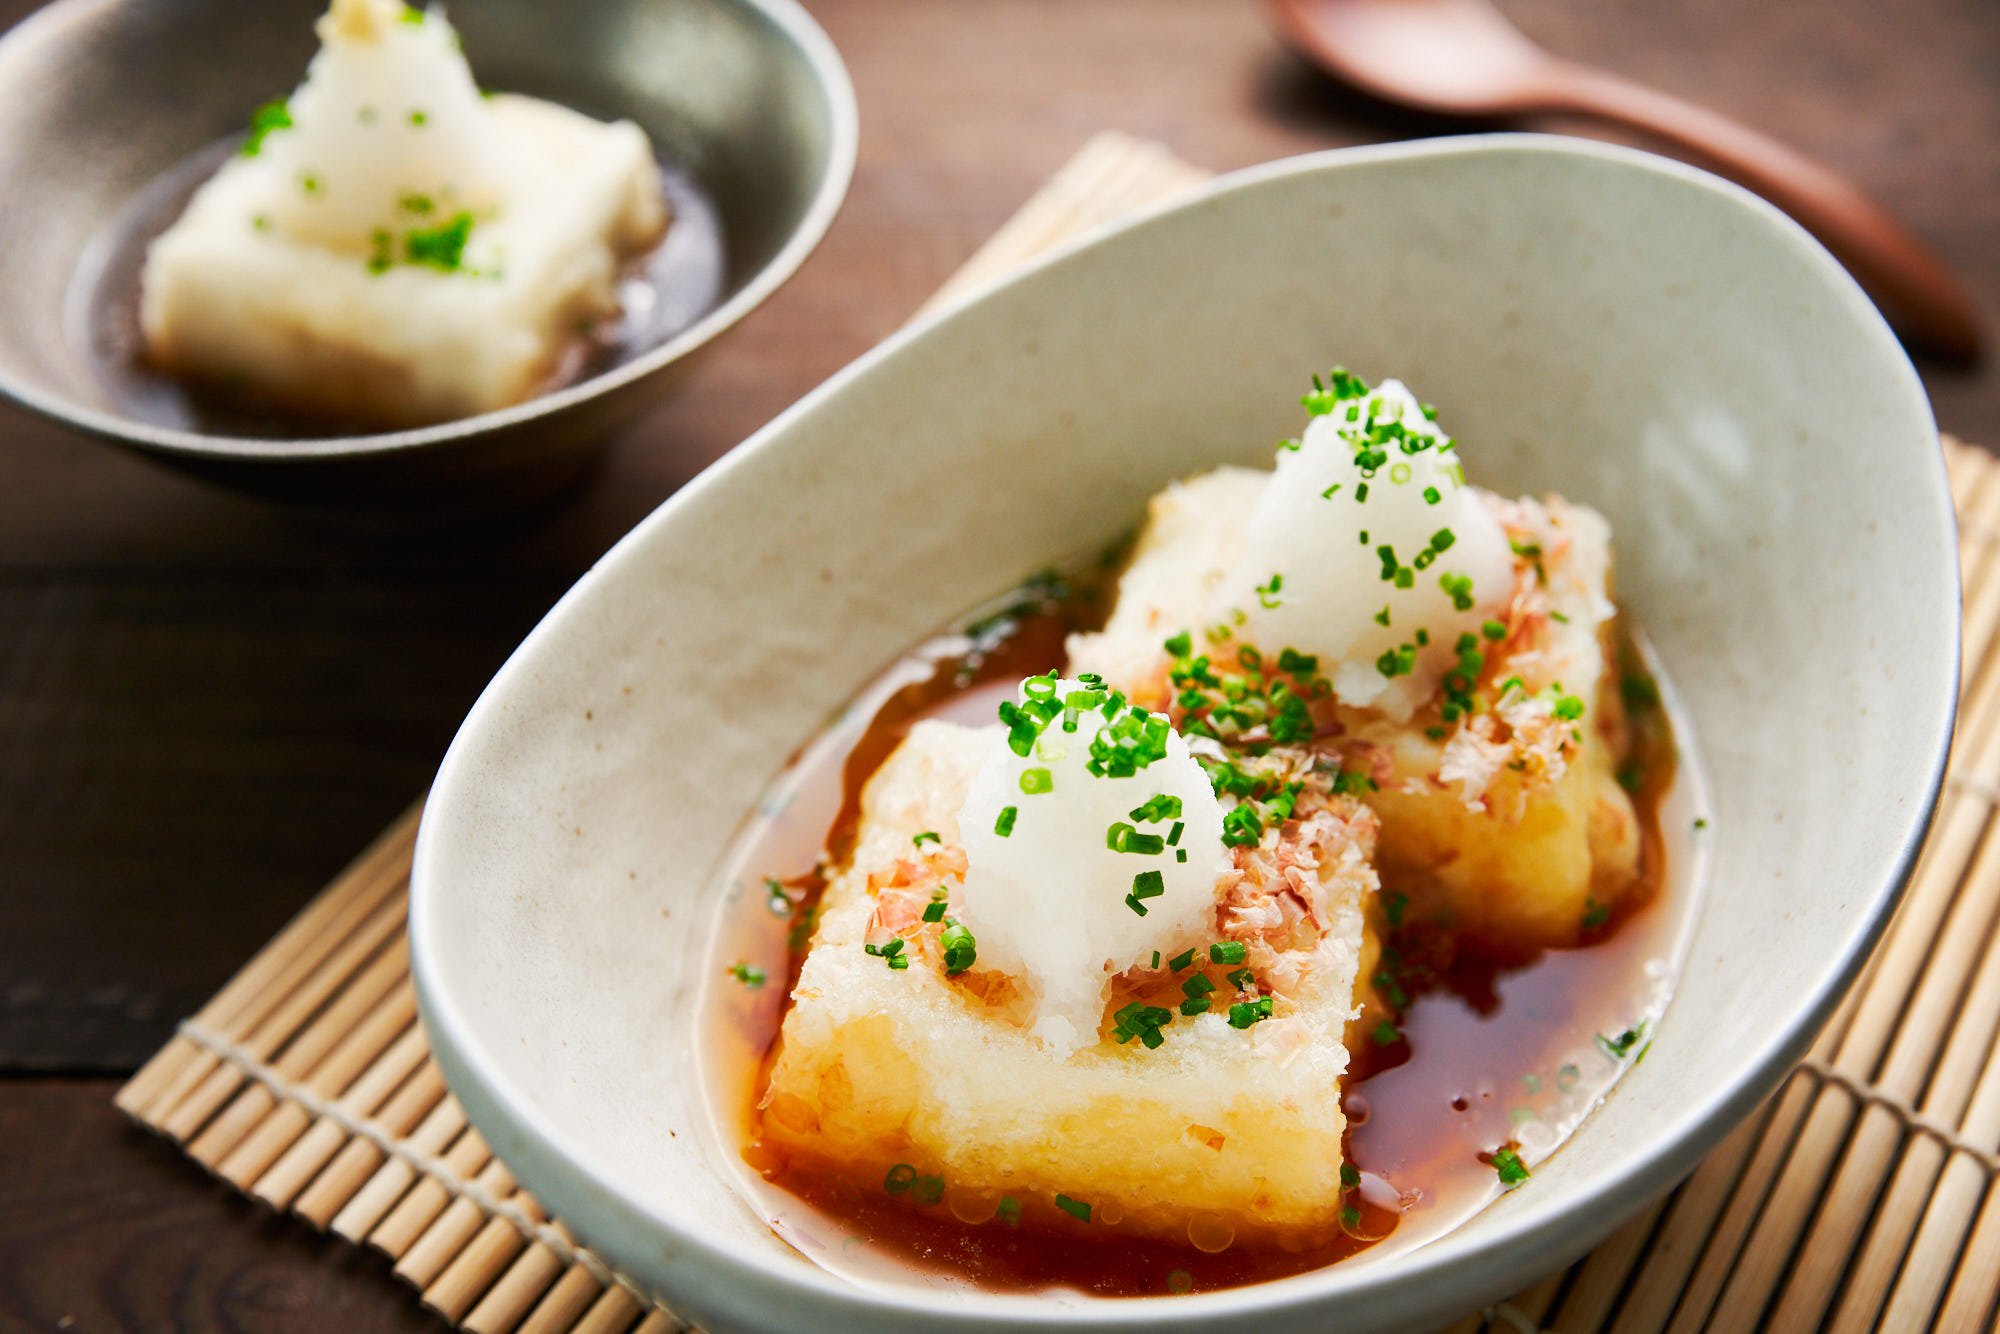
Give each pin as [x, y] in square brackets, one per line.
[1862, 1195]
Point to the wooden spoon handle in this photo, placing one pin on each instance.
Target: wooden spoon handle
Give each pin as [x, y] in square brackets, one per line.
[1913, 286]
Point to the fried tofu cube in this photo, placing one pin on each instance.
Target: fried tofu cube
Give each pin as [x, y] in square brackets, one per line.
[1512, 828]
[1218, 1132]
[230, 299]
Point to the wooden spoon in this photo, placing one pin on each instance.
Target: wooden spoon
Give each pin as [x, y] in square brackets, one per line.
[1461, 57]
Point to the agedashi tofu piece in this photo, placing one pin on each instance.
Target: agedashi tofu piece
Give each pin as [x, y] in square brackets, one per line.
[1204, 1105]
[394, 248]
[1501, 810]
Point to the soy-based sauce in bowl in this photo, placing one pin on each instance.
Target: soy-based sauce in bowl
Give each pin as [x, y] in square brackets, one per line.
[1490, 1053]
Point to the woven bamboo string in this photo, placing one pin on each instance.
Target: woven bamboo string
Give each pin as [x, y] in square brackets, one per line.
[306, 1082]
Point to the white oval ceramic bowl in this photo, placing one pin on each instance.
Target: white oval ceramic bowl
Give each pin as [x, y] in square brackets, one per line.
[1631, 332]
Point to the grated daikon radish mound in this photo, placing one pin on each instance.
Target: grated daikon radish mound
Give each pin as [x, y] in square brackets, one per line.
[1458, 662]
[1201, 1101]
[394, 248]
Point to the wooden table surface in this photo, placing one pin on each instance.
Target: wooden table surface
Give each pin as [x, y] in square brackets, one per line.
[204, 710]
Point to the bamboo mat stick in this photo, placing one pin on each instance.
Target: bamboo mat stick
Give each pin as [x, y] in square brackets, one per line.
[477, 1266]
[611, 1313]
[507, 1303]
[324, 1137]
[394, 1014]
[358, 1218]
[428, 1198]
[560, 1310]
[446, 1234]
[1969, 1305]
[1862, 1195]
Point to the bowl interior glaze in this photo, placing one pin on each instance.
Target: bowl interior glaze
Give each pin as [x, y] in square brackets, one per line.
[1635, 334]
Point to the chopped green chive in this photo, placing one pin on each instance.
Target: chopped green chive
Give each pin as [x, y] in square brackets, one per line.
[1036, 781]
[1227, 952]
[1004, 826]
[1595, 914]
[1352, 783]
[934, 911]
[441, 247]
[1241, 827]
[1267, 594]
[1620, 1047]
[1245, 1013]
[1009, 1211]
[1511, 1169]
[1350, 1176]
[928, 836]
[1141, 1021]
[264, 122]
[1076, 1209]
[749, 975]
[1386, 1034]
[1182, 960]
[901, 1177]
[1122, 837]
[891, 953]
[960, 950]
[1494, 630]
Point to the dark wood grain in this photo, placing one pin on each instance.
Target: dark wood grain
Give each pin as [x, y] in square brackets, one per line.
[205, 710]
[103, 1227]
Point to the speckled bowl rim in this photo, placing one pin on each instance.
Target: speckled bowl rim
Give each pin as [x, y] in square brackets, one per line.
[843, 141]
[1497, 1259]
